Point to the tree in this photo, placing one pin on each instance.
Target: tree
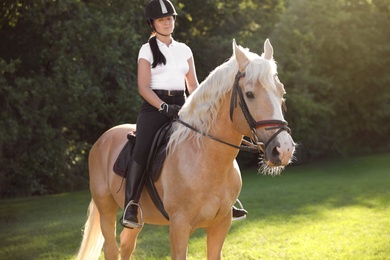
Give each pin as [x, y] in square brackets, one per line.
[209, 28]
[68, 73]
[66, 69]
[334, 59]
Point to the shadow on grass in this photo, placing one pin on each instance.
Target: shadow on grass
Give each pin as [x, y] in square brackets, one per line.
[50, 227]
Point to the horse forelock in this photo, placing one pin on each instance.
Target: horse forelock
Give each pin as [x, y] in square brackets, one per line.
[261, 70]
[202, 106]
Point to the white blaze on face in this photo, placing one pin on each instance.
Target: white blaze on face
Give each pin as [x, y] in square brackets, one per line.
[286, 145]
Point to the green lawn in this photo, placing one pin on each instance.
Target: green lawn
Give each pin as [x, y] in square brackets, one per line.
[329, 210]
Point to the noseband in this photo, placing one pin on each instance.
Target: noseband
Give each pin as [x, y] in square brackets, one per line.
[271, 124]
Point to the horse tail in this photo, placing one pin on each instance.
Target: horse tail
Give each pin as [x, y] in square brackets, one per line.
[93, 239]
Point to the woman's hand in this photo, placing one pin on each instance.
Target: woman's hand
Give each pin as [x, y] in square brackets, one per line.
[170, 111]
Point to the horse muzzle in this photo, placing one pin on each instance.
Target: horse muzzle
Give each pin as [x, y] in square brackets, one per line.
[279, 151]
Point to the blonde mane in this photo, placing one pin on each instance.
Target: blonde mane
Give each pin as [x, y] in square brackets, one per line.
[201, 108]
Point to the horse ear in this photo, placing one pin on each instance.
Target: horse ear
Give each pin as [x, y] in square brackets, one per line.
[268, 50]
[241, 58]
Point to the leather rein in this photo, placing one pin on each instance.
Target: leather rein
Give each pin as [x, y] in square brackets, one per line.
[271, 124]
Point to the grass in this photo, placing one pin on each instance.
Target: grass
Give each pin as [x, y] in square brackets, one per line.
[329, 210]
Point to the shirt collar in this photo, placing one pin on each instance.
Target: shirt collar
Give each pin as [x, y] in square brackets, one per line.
[160, 43]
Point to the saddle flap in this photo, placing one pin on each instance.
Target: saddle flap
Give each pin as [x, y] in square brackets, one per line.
[158, 151]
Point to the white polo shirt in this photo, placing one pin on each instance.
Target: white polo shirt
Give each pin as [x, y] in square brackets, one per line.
[169, 76]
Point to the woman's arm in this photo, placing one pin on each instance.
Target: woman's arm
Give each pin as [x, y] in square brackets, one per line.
[144, 89]
[191, 78]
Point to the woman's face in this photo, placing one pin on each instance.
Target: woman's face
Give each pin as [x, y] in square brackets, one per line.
[164, 25]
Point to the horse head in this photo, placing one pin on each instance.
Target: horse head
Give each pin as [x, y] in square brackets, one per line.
[259, 93]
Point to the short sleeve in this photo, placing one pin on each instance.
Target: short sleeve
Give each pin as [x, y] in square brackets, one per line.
[188, 52]
[145, 53]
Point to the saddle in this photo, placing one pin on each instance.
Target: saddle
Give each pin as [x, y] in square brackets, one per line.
[155, 163]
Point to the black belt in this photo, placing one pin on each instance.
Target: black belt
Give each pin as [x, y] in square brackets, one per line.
[170, 93]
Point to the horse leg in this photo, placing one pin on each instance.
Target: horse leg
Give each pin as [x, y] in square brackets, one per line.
[128, 240]
[108, 210]
[179, 231]
[216, 235]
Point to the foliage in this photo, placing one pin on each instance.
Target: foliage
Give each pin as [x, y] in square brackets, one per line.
[335, 67]
[332, 210]
[68, 73]
[66, 69]
[209, 28]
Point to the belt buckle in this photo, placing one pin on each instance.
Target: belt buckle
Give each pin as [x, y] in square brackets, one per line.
[170, 93]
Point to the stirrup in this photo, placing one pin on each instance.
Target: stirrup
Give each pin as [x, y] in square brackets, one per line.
[240, 209]
[130, 224]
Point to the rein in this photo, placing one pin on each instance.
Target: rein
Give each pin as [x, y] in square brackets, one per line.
[271, 124]
[248, 147]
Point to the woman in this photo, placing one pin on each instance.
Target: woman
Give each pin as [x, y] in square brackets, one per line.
[165, 68]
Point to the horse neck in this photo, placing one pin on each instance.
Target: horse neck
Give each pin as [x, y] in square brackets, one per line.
[224, 130]
[213, 159]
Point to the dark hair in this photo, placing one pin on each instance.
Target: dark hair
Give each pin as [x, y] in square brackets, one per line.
[158, 57]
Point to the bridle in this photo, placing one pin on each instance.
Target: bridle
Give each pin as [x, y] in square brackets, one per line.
[271, 124]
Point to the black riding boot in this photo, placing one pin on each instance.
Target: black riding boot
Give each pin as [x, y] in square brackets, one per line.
[239, 213]
[134, 185]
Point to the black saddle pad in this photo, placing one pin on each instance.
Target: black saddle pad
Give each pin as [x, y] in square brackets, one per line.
[124, 157]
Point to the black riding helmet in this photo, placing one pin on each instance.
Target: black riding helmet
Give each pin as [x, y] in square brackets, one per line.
[159, 8]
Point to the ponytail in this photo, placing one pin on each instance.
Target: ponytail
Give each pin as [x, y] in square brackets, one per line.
[158, 57]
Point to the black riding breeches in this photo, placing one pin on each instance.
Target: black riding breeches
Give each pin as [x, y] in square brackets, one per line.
[149, 121]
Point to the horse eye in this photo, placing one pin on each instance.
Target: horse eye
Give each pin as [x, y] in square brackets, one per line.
[250, 95]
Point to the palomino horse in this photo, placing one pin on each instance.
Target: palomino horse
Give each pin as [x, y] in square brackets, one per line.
[200, 179]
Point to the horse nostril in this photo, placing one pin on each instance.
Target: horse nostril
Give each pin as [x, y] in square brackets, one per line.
[275, 155]
[275, 152]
